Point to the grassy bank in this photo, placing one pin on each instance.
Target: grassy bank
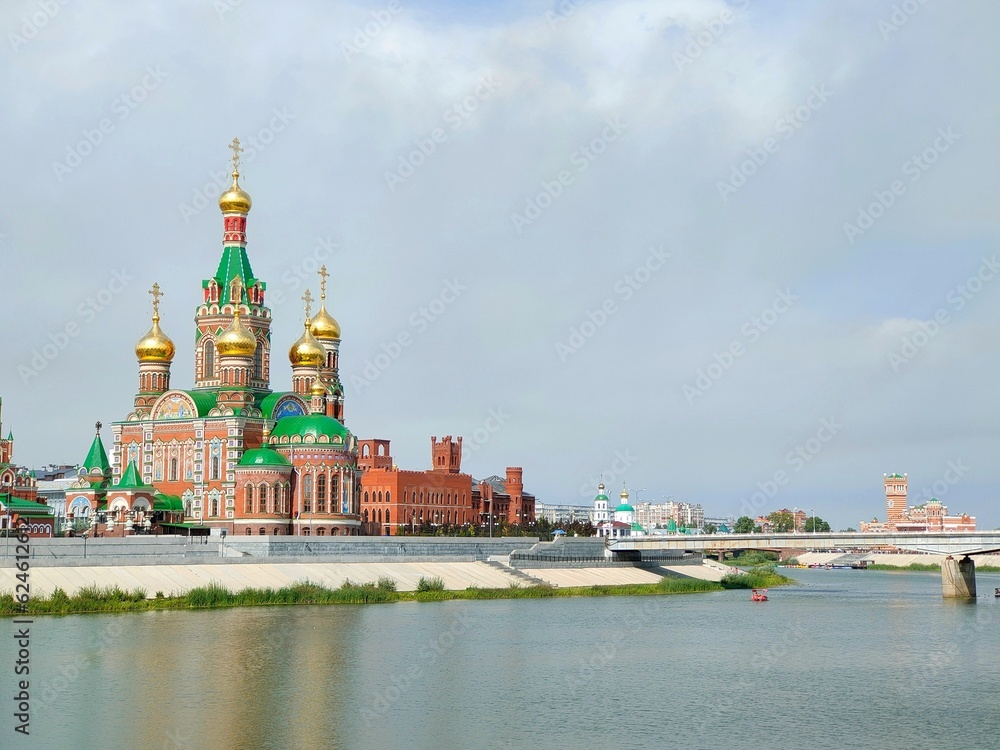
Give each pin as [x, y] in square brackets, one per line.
[93, 599]
[759, 577]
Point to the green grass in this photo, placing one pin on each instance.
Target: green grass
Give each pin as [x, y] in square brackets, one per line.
[760, 577]
[215, 596]
[753, 558]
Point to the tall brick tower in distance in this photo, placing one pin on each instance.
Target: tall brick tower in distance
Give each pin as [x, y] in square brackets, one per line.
[895, 498]
[446, 455]
[515, 489]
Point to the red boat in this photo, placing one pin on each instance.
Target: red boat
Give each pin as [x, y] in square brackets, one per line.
[759, 595]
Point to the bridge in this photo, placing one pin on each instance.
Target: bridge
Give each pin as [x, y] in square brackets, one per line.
[958, 576]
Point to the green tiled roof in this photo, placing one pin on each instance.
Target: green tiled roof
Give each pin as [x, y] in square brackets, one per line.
[319, 427]
[24, 507]
[170, 503]
[131, 480]
[97, 458]
[234, 262]
[204, 401]
[263, 457]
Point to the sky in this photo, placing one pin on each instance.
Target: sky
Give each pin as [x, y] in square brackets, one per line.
[738, 253]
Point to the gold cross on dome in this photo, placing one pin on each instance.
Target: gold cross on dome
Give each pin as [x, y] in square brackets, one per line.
[237, 150]
[322, 282]
[155, 293]
[236, 291]
[308, 299]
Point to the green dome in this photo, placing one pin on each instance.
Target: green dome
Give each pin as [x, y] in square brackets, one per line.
[312, 428]
[637, 527]
[625, 508]
[602, 496]
[263, 457]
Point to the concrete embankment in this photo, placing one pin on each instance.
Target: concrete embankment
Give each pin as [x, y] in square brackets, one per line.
[175, 565]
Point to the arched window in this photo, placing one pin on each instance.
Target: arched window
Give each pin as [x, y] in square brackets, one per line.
[262, 532]
[320, 532]
[366, 451]
[388, 496]
[276, 532]
[287, 498]
[329, 360]
[321, 493]
[209, 359]
[173, 473]
[366, 515]
[387, 516]
[249, 532]
[249, 498]
[334, 494]
[258, 360]
[380, 516]
[262, 507]
[275, 506]
[366, 496]
[307, 493]
[215, 505]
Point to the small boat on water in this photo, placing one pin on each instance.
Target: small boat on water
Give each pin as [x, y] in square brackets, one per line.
[760, 595]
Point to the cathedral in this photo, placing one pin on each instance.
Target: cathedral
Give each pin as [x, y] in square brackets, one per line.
[229, 453]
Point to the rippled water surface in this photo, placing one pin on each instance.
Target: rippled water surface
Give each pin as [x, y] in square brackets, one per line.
[848, 659]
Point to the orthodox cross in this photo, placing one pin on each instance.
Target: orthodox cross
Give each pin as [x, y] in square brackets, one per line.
[322, 282]
[155, 293]
[308, 299]
[237, 150]
[98, 426]
[236, 295]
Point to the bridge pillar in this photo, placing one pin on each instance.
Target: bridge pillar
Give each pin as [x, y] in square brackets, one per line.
[722, 555]
[958, 578]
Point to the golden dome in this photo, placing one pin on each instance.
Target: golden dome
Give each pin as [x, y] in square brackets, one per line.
[236, 341]
[155, 346]
[318, 389]
[235, 200]
[623, 494]
[324, 325]
[306, 352]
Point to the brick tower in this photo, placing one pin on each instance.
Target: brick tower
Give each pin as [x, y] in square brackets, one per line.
[895, 498]
[446, 455]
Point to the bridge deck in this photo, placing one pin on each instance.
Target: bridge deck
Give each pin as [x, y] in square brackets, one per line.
[958, 543]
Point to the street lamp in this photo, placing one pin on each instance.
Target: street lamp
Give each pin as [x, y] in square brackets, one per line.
[812, 512]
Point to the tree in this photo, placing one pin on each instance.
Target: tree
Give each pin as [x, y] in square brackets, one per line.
[851, 530]
[815, 523]
[782, 521]
[743, 525]
[709, 528]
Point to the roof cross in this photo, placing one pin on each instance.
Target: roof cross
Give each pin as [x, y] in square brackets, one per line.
[237, 150]
[322, 282]
[155, 293]
[308, 299]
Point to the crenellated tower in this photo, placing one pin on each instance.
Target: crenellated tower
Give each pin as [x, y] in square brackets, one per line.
[155, 351]
[234, 292]
[446, 455]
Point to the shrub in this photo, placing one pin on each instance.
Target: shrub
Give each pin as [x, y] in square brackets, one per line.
[430, 584]
[386, 583]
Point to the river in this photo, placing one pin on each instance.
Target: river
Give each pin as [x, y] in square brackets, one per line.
[848, 659]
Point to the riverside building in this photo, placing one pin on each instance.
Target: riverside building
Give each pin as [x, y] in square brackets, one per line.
[929, 517]
[395, 500]
[229, 453]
